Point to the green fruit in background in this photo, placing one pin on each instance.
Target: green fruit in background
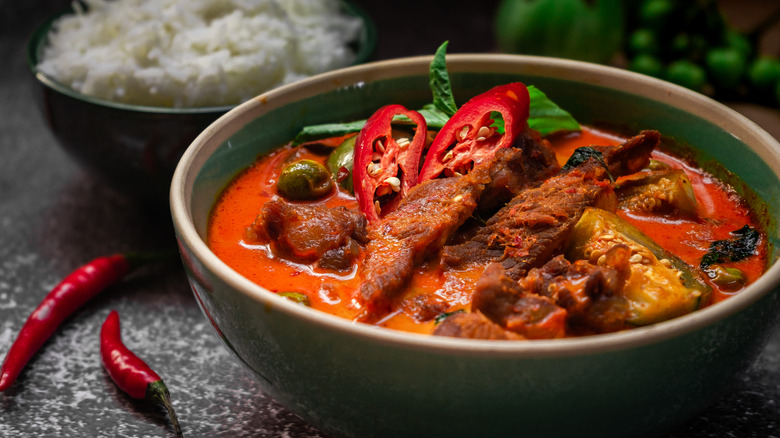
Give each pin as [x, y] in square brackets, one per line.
[643, 40]
[574, 29]
[656, 13]
[647, 64]
[764, 74]
[680, 44]
[725, 66]
[739, 42]
[687, 74]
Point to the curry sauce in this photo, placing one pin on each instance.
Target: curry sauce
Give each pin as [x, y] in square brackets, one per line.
[435, 291]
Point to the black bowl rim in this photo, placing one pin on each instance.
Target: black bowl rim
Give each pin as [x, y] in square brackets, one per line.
[620, 79]
[37, 40]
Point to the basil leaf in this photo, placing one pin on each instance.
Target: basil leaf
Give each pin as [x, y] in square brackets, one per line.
[442, 316]
[740, 247]
[439, 81]
[498, 122]
[546, 116]
[434, 117]
[326, 130]
[583, 154]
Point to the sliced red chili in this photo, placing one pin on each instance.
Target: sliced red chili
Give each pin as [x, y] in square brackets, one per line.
[131, 374]
[468, 138]
[386, 168]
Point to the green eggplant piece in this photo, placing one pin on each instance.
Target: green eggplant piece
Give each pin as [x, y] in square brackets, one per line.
[661, 286]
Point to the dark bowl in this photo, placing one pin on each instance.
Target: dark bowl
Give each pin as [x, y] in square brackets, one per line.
[358, 380]
[133, 148]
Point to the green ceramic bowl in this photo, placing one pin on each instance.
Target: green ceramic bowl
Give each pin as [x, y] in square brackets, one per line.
[357, 380]
[133, 148]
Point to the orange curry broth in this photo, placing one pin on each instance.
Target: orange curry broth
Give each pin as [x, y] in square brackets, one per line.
[336, 293]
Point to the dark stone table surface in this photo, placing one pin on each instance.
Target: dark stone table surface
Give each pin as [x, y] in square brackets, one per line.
[54, 217]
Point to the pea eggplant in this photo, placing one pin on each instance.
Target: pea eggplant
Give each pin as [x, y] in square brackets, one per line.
[304, 179]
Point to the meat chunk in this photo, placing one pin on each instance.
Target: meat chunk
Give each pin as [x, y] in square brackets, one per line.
[420, 226]
[591, 294]
[553, 301]
[506, 303]
[531, 161]
[473, 326]
[531, 229]
[310, 233]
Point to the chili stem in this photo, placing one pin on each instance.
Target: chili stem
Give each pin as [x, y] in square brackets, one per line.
[158, 393]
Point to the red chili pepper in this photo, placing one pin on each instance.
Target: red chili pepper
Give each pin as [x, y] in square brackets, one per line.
[468, 138]
[67, 297]
[385, 169]
[129, 372]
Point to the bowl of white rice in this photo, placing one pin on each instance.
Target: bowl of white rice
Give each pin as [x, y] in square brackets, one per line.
[126, 85]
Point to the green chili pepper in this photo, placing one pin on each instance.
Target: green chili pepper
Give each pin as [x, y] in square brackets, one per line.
[340, 163]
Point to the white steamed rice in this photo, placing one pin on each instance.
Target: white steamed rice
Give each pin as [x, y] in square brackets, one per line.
[195, 53]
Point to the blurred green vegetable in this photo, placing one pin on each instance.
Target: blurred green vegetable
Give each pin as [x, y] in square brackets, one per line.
[655, 13]
[726, 66]
[738, 42]
[646, 64]
[643, 41]
[574, 29]
[687, 74]
[764, 74]
[692, 44]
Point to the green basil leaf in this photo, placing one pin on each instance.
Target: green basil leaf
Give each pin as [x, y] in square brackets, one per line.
[546, 116]
[434, 117]
[439, 81]
[583, 154]
[742, 246]
[326, 130]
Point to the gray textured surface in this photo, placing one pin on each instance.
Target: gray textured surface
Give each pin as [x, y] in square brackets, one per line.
[54, 217]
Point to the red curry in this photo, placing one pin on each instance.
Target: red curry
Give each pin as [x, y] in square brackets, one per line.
[720, 212]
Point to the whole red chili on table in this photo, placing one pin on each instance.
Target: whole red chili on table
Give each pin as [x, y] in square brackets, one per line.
[129, 372]
[385, 167]
[470, 136]
[67, 297]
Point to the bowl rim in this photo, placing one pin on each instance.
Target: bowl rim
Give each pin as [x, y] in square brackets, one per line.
[613, 77]
[38, 37]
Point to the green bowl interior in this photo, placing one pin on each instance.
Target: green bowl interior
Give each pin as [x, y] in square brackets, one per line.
[590, 104]
[364, 48]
